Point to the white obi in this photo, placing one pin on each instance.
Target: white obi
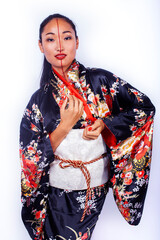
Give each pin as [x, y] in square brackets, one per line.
[74, 147]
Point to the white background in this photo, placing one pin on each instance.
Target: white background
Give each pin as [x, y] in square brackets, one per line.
[122, 36]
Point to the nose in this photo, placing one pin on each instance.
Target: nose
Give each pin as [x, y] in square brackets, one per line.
[59, 46]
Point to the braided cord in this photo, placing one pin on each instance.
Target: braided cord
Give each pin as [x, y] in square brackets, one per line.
[81, 165]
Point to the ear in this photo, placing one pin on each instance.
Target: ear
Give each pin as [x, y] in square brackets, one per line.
[40, 46]
[77, 43]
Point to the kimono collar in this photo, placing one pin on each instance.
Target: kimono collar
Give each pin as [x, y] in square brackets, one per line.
[73, 72]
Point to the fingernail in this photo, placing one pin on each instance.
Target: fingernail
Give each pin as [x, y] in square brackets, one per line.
[90, 129]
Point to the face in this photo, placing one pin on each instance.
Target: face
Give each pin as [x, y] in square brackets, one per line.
[59, 44]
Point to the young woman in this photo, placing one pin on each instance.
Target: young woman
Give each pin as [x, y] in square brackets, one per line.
[83, 131]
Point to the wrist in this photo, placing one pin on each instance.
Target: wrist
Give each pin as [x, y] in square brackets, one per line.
[64, 127]
[102, 124]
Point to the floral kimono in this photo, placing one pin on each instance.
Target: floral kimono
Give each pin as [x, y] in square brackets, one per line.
[128, 117]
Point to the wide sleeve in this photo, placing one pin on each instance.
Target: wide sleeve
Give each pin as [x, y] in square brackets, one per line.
[35, 154]
[131, 124]
[130, 110]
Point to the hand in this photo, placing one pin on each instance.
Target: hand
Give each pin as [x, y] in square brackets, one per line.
[71, 111]
[92, 132]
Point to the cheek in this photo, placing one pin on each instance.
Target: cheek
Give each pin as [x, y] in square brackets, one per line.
[72, 49]
[48, 51]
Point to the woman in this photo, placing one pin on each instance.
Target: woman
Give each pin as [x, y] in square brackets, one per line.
[82, 131]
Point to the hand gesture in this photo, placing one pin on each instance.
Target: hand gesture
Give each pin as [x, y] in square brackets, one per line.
[71, 111]
[92, 132]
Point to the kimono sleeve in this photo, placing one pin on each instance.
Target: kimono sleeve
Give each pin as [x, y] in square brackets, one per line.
[131, 123]
[130, 110]
[35, 155]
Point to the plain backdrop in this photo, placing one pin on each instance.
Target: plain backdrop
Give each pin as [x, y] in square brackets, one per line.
[122, 36]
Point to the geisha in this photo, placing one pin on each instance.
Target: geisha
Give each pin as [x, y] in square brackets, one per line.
[84, 130]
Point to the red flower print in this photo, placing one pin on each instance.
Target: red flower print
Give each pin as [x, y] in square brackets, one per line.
[126, 213]
[34, 128]
[39, 231]
[85, 236]
[37, 157]
[113, 180]
[128, 178]
[117, 195]
[28, 164]
[122, 175]
[128, 175]
[30, 148]
[38, 214]
[128, 193]
[121, 164]
[140, 174]
[112, 90]
[133, 128]
[127, 181]
[85, 89]
[104, 89]
[108, 100]
[141, 147]
[146, 176]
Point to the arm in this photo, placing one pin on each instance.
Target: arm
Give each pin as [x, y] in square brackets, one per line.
[131, 122]
[69, 116]
[130, 109]
[36, 155]
[31, 150]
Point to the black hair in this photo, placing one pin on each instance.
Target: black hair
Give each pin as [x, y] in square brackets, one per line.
[46, 69]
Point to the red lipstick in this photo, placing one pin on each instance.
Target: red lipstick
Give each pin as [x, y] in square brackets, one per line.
[60, 56]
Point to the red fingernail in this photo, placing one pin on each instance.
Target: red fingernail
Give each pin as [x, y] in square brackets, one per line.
[90, 129]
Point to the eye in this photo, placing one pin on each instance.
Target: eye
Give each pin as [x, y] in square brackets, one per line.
[50, 40]
[68, 38]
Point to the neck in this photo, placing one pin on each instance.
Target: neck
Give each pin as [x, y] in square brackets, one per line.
[61, 72]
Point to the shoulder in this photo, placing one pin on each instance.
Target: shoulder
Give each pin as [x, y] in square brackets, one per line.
[104, 76]
[95, 71]
[99, 71]
[39, 95]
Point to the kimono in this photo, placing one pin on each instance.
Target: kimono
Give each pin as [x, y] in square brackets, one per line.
[128, 117]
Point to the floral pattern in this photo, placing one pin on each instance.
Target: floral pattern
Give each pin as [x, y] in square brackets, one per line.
[32, 167]
[92, 202]
[79, 236]
[128, 117]
[99, 108]
[133, 172]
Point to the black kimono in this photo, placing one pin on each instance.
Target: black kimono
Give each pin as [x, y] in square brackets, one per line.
[128, 117]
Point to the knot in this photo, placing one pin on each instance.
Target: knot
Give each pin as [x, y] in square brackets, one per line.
[78, 164]
[81, 165]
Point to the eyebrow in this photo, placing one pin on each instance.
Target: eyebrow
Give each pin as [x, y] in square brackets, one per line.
[54, 33]
[50, 33]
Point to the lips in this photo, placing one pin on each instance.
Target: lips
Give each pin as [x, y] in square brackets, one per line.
[60, 56]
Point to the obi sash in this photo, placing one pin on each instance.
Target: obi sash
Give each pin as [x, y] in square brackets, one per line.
[74, 147]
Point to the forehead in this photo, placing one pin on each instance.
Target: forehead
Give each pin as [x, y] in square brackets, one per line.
[54, 24]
